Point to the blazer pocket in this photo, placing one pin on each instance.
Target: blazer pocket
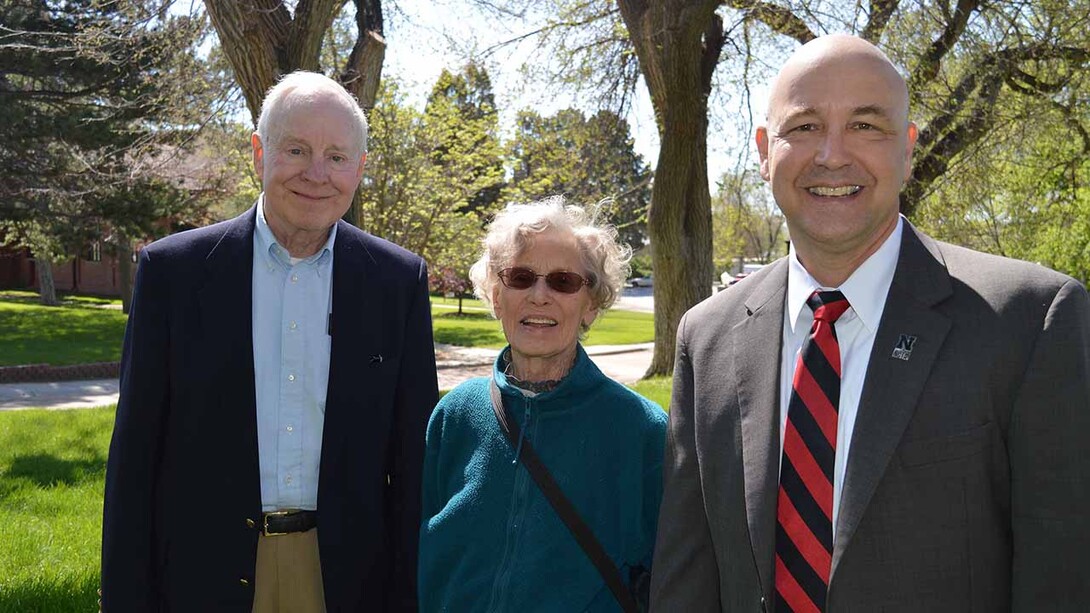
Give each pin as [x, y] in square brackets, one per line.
[945, 448]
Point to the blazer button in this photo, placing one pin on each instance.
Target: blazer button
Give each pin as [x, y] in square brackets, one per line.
[244, 581]
[250, 523]
[764, 604]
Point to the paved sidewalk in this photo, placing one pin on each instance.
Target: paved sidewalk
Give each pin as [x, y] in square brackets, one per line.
[625, 363]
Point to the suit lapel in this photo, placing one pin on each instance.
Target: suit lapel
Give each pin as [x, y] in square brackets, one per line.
[357, 329]
[758, 406]
[893, 384]
[226, 314]
[223, 345]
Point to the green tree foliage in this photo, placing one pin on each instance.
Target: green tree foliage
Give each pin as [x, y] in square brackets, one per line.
[463, 106]
[747, 226]
[587, 159]
[425, 170]
[86, 94]
[1021, 193]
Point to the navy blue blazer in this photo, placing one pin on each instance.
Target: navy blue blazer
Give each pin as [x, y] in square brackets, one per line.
[182, 479]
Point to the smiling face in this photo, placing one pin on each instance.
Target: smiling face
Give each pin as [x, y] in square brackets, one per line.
[837, 149]
[309, 173]
[541, 324]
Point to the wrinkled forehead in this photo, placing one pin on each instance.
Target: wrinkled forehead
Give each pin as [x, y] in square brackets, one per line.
[306, 116]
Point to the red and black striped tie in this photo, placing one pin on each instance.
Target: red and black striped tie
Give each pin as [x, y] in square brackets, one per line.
[804, 509]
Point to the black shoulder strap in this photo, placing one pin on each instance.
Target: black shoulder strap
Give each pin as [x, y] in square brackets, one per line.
[563, 507]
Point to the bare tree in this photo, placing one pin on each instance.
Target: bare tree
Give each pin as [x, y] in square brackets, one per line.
[264, 40]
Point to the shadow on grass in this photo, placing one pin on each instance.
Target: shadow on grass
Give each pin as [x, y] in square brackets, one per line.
[65, 299]
[466, 315]
[469, 337]
[40, 596]
[46, 470]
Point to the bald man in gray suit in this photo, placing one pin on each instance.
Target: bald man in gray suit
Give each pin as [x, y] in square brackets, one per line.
[932, 457]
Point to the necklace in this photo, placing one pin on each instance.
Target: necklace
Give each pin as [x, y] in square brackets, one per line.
[537, 387]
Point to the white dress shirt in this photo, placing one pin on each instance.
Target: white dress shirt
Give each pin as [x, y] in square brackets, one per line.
[866, 291]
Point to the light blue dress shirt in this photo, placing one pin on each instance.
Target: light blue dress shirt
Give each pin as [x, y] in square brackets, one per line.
[292, 302]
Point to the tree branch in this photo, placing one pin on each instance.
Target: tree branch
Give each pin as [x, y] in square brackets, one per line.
[363, 71]
[549, 27]
[880, 13]
[778, 18]
[311, 20]
[930, 61]
[713, 48]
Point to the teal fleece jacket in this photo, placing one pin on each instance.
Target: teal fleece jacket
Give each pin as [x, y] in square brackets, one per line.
[489, 540]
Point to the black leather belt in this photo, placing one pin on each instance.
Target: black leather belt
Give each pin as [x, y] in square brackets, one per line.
[277, 523]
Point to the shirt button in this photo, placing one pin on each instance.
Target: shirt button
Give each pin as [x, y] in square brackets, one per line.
[293, 325]
[287, 479]
[291, 377]
[294, 278]
[290, 428]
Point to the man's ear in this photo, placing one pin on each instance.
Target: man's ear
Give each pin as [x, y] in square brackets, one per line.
[259, 155]
[762, 150]
[363, 162]
[910, 145]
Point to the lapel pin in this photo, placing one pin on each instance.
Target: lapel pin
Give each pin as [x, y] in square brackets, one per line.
[376, 359]
[903, 350]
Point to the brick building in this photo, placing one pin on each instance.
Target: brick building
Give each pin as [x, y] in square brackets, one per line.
[94, 272]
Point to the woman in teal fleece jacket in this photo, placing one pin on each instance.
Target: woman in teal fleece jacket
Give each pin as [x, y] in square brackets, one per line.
[490, 541]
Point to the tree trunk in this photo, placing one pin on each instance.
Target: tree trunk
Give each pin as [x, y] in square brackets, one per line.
[362, 73]
[263, 40]
[47, 290]
[678, 43]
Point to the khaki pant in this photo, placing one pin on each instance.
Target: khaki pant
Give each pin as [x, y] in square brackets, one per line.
[289, 574]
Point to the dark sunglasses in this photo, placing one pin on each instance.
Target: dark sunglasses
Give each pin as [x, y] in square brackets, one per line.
[561, 281]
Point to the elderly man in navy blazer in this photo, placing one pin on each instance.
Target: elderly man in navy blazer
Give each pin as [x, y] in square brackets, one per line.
[277, 377]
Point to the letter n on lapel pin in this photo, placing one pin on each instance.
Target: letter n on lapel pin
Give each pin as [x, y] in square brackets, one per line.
[903, 350]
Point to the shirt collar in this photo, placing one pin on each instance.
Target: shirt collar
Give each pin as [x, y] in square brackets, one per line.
[865, 289]
[269, 247]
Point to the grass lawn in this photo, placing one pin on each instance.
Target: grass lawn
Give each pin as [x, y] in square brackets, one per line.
[474, 327]
[52, 471]
[82, 331]
[657, 389]
[451, 304]
[78, 332]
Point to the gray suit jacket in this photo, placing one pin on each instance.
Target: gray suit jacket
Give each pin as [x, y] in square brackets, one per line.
[967, 486]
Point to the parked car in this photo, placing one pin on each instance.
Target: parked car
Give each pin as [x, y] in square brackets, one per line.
[641, 281]
[747, 269]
